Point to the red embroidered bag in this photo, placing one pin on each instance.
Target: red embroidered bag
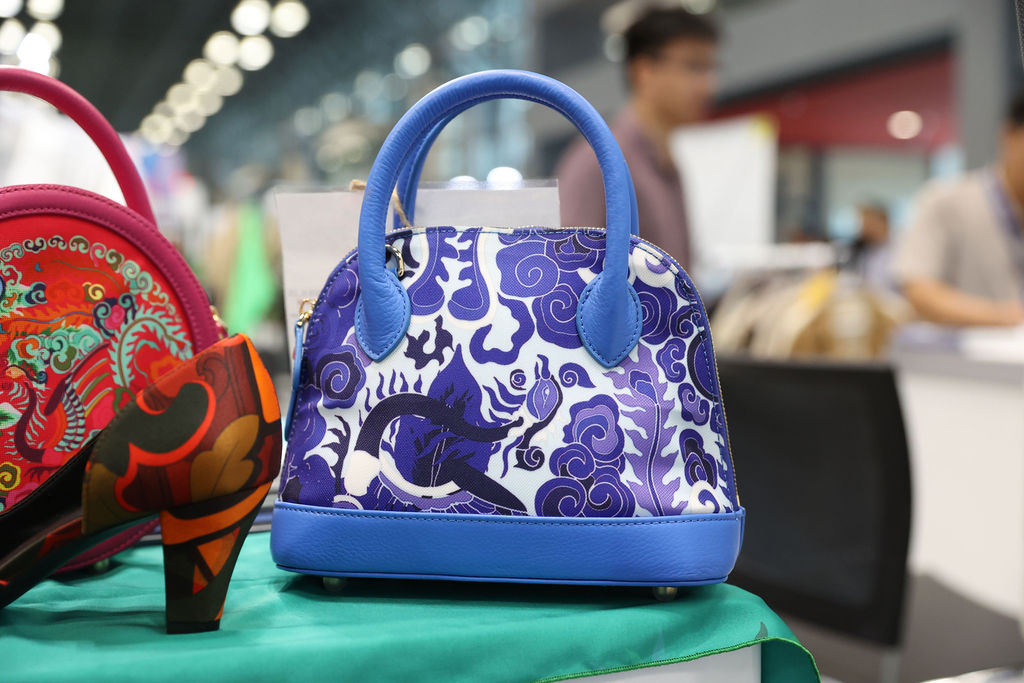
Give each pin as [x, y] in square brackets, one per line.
[95, 304]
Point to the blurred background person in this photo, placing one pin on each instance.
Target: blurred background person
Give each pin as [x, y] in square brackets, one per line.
[870, 253]
[670, 68]
[961, 260]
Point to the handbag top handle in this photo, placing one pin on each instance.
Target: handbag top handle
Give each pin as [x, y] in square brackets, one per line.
[409, 180]
[90, 120]
[608, 317]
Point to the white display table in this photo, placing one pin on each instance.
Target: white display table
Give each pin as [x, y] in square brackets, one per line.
[738, 666]
[963, 402]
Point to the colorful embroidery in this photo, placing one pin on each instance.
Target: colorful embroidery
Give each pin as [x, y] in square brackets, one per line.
[85, 323]
[492, 406]
[10, 478]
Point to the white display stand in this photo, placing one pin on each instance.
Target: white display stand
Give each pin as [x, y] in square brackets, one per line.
[738, 666]
[963, 403]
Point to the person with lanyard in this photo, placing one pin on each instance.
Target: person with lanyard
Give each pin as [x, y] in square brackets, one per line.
[961, 259]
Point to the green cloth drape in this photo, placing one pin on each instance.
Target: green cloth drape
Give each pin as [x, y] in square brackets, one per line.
[282, 627]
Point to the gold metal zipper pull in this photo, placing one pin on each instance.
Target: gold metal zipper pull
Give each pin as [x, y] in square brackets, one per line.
[304, 313]
[218, 321]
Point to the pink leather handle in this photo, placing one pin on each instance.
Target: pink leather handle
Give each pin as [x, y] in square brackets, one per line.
[90, 120]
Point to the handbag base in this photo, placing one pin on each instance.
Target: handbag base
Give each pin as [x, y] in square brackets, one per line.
[681, 550]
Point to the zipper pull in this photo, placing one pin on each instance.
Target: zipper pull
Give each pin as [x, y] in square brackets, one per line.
[305, 313]
[222, 328]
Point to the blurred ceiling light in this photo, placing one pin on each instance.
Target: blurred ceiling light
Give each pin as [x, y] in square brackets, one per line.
[368, 85]
[44, 10]
[189, 121]
[470, 32]
[288, 18]
[354, 147]
[394, 87]
[615, 47]
[329, 159]
[904, 124]
[208, 103]
[344, 148]
[11, 34]
[200, 73]
[163, 109]
[506, 28]
[617, 18]
[504, 176]
[336, 106]
[377, 112]
[39, 68]
[177, 138]
[308, 121]
[255, 52]
[9, 8]
[227, 81]
[698, 6]
[251, 17]
[34, 53]
[413, 61]
[222, 48]
[49, 32]
[181, 97]
[156, 129]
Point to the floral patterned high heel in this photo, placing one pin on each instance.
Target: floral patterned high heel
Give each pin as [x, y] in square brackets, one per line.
[198, 448]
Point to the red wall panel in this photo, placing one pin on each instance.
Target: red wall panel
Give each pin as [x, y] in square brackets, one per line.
[853, 108]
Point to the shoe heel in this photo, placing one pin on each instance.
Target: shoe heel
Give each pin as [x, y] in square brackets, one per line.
[201, 544]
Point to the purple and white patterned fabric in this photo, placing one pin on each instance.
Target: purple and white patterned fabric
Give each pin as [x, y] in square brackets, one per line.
[492, 406]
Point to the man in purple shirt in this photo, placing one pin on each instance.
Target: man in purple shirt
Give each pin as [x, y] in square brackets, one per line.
[670, 66]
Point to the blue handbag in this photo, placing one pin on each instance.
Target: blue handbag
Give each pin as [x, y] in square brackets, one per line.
[528, 404]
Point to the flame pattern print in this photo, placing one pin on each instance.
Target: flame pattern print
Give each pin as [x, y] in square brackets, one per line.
[492, 406]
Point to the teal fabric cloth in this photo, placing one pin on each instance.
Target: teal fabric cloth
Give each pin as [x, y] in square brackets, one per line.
[281, 627]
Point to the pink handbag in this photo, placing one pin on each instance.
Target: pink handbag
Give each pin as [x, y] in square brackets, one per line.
[95, 305]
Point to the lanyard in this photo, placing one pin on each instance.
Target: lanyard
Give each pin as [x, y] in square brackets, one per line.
[1010, 221]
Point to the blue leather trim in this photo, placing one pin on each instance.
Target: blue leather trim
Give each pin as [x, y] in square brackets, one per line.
[379, 340]
[409, 180]
[606, 331]
[300, 335]
[491, 579]
[637, 551]
[625, 322]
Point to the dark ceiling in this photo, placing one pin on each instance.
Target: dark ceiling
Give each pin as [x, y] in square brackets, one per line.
[123, 55]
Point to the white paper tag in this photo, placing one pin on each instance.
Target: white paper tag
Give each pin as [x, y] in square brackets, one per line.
[319, 228]
[720, 161]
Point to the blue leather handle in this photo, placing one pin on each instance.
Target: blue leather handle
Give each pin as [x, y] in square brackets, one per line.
[608, 316]
[409, 180]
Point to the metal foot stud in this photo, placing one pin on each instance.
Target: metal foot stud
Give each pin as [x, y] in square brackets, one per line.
[666, 593]
[334, 584]
[100, 567]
